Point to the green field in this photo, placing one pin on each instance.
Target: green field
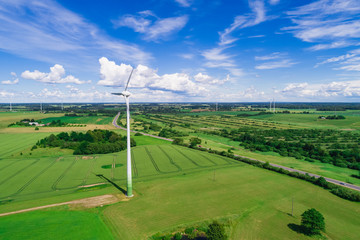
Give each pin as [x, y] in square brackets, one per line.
[7, 118]
[99, 120]
[54, 224]
[29, 178]
[174, 186]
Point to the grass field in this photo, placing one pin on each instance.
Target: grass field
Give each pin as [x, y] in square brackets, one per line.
[173, 186]
[99, 120]
[352, 121]
[323, 169]
[60, 224]
[178, 187]
[259, 201]
[7, 118]
[29, 177]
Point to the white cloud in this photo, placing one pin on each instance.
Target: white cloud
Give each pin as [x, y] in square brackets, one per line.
[216, 58]
[336, 59]
[333, 89]
[9, 82]
[274, 2]
[274, 60]
[153, 29]
[275, 64]
[46, 31]
[114, 75]
[187, 56]
[347, 62]
[257, 16]
[334, 22]
[275, 55]
[56, 75]
[6, 94]
[184, 3]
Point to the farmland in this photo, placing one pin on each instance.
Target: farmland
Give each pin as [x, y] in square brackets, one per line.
[30, 177]
[174, 186]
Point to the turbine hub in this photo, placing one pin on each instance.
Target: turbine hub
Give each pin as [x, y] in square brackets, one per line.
[126, 93]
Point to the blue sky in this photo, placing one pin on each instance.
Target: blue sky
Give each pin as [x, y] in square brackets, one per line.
[182, 50]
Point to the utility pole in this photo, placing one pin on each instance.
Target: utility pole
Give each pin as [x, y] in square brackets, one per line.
[292, 207]
[214, 176]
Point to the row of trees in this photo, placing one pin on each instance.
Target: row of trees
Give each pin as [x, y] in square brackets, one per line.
[92, 142]
[339, 148]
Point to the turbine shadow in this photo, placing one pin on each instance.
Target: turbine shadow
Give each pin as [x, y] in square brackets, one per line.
[112, 183]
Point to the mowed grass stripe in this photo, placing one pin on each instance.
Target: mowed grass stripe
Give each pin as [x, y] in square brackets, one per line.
[53, 187]
[162, 160]
[180, 160]
[16, 169]
[34, 178]
[14, 182]
[14, 143]
[193, 156]
[75, 175]
[143, 163]
[133, 164]
[170, 158]
[6, 164]
[43, 183]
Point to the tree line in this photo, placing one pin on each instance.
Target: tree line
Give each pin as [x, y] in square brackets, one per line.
[92, 142]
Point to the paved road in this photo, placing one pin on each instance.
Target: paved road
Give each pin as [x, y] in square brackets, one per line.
[344, 184]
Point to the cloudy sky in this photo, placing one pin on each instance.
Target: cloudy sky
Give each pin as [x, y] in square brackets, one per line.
[182, 50]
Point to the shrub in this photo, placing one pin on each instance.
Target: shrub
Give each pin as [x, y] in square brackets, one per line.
[216, 231]
[177, 236]
[36, 128]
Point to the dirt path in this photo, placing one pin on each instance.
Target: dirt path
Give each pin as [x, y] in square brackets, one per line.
[85, 202]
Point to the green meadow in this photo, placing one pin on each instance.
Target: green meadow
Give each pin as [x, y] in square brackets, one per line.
[174, 186]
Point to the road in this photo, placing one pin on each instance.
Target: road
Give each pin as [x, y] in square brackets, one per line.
[337, 182]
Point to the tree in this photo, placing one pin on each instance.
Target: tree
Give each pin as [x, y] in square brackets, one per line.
[216, 231]
[312, 221]
[194, 141]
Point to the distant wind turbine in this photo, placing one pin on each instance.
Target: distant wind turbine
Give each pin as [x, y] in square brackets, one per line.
[126, 95]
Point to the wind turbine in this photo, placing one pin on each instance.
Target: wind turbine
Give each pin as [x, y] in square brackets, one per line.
[126, 95]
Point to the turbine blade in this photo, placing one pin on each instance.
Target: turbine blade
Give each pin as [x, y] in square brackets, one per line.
[127, 84]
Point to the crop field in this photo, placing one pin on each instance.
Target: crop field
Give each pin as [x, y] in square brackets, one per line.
[7, 118]
[99, 120]
[14, 143]
[352, 121]
[29, 178]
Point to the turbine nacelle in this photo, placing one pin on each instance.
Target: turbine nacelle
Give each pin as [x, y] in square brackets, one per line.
[124, 93]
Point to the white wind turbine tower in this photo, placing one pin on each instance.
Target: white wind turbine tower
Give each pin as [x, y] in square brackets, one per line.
[126, 95]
